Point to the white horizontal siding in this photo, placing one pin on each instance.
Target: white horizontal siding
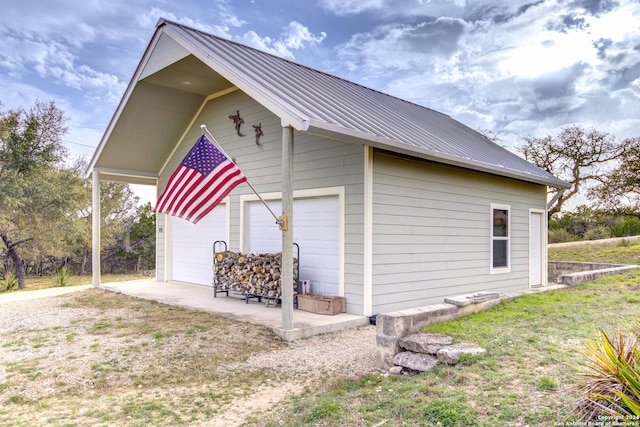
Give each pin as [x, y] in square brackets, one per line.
[431, 232]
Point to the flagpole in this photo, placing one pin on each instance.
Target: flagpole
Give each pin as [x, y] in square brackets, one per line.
[279, 221]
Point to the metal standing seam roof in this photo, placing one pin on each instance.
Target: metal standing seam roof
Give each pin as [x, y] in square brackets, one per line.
[311, 100]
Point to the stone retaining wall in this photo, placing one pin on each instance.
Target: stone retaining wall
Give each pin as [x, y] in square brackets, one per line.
[573, 273]
[391, 327]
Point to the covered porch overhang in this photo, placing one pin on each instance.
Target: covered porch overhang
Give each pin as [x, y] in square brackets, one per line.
[161, 104]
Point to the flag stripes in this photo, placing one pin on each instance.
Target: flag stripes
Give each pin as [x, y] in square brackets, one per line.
[200, 182]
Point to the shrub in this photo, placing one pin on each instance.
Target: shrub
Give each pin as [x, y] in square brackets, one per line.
[629, 227]
[612, 377]
[597, 232]
[560, 235]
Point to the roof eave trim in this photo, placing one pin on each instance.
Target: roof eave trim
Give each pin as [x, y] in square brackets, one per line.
[338, 132]
[130, 176]
[124, 100]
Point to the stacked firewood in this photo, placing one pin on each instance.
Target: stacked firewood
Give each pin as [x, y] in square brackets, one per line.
[251, 274]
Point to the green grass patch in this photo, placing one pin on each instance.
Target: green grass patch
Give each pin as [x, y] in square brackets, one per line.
[451, 411]
[534, 349]
[527, 377]
[547, 384]
[101, 325]
[194, 329]
[628, 253]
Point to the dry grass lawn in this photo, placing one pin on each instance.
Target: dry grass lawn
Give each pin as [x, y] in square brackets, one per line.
[100, 358]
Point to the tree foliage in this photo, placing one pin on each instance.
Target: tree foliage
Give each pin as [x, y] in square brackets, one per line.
[33, 188]
[575, 155]
[135, 248]
[619, 189]
[588, 223]
[45, 202]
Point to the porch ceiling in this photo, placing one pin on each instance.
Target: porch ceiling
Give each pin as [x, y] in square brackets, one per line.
[153, 118]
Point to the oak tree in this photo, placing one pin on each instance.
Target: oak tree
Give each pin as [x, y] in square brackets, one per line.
[30, 150]
[575, 155]
[619, 189]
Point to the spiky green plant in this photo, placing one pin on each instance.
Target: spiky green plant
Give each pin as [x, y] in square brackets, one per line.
[612, 376]
[11, 280]
[61, 277]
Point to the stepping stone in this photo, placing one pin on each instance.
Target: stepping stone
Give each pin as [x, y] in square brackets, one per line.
[424, 342]
[415, 361]
[464, 300]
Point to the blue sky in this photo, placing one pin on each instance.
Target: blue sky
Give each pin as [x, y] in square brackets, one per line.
[516, 68]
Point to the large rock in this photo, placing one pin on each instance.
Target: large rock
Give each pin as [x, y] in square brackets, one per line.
[451, 354]
[415, 361]
[424, 342]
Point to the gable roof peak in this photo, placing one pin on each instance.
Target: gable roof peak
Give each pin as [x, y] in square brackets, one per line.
[311, 100]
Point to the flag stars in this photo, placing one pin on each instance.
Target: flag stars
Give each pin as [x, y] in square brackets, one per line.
[204, 157]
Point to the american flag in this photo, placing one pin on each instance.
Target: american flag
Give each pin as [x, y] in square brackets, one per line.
[203, 179]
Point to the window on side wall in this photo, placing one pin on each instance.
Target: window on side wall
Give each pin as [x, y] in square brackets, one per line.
[500, 238]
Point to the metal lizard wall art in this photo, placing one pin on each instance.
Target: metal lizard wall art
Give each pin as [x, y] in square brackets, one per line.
[237, 121]
[258, 129]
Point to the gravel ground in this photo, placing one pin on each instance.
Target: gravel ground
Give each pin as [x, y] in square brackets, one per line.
[349, 353]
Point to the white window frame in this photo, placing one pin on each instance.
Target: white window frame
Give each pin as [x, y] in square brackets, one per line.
[492, 239]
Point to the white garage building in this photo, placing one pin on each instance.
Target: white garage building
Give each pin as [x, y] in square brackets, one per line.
[394, 205]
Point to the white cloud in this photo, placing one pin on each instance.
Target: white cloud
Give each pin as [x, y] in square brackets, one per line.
[55, 61]
[149, 19]
[72, 23]
[16, 94]
[394, 48]
[388, 8]
[229, 18]
[295, 37]
[546, 53]
[347, 7]
[516, 70]
[218, 12]
[508, 66]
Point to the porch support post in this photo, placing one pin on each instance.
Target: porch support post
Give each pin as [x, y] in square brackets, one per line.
[287, 229]
[95, 227]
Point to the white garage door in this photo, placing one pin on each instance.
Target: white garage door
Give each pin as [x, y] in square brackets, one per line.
[315, 230]
[192, 246]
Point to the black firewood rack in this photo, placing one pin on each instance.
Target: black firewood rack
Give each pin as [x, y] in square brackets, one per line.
[221, 246]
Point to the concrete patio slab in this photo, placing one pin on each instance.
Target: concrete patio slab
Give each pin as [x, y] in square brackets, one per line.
[233, 306]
